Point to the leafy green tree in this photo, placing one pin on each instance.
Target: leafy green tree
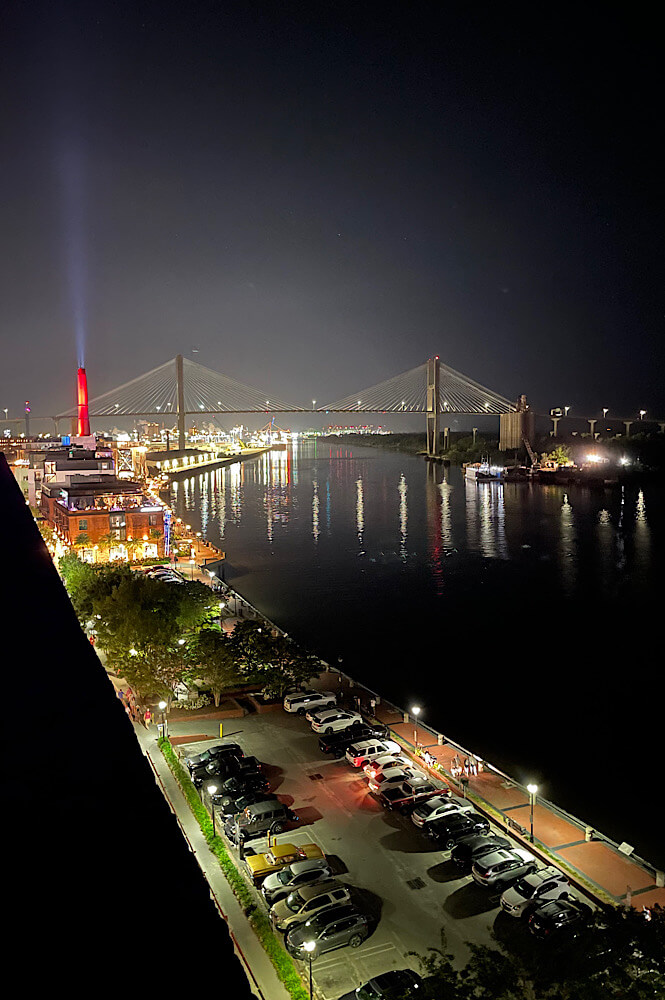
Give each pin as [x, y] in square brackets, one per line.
[275, 663]
[213, 660]
[560, 455]
[87, 585]
[250, 641]
[142, 623]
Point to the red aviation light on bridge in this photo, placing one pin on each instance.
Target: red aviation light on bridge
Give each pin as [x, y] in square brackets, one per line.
[82, 402]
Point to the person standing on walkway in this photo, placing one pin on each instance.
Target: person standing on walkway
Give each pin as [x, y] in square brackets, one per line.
[372, 705]
[147, 718]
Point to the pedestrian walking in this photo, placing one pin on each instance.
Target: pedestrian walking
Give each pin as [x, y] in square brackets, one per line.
[466, 765]
[147, 718]
[372, 705]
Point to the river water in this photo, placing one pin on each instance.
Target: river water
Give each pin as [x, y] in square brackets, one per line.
[524, 619]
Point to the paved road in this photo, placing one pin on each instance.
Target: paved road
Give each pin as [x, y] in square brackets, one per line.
[413, 890]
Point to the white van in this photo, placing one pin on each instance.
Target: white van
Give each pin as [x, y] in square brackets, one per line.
[302, 701]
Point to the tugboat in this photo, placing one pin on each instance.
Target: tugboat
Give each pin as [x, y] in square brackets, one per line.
[483, 472]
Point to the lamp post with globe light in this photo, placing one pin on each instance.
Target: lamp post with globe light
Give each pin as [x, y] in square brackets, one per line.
[212, 790]
[415, 712]
[162, 708]
[309, 947]
[533, 791]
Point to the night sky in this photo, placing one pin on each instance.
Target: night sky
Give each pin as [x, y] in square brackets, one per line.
[319, 197]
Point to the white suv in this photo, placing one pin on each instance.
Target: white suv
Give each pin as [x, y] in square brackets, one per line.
[302, 701]
[534, 890]
[359, 754]
[333, 720]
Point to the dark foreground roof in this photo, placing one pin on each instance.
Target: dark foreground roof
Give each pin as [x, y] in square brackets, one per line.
[99, 889]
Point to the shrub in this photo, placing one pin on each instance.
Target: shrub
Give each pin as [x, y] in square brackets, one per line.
[260, 924]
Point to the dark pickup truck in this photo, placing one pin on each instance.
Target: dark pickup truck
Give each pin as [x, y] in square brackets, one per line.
[338, 743]
[409, 794]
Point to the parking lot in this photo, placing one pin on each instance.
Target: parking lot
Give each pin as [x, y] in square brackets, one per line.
[407, 885]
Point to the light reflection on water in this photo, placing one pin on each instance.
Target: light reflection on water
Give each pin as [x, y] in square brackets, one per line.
[419, 512]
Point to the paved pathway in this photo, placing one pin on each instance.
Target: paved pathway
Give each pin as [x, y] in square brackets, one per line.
[266, 984]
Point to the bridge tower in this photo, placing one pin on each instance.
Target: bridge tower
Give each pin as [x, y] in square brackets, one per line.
[180, 383]
[433, 404]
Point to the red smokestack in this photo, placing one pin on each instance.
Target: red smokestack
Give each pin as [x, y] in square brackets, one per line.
[84, 419]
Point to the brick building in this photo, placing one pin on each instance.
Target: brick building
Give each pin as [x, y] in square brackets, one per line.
[114, 516]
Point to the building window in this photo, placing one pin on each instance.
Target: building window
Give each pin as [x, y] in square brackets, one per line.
[153, 519]
[119, 533]
[83, 524]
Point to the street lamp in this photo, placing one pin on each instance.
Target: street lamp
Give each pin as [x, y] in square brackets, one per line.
[162, 708]
[212, 789]
[191, 567]
[313, 403]
[605, 409]
[565, 409]
[309, 947]
[642, 414]
[415, 712]
[533, 791]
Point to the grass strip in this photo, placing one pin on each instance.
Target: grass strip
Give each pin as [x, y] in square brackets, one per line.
[281, 960]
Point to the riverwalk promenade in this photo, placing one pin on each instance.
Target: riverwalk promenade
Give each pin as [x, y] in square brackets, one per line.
[593, 861]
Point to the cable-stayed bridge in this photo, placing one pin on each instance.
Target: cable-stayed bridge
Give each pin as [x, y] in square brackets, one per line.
[181, 387]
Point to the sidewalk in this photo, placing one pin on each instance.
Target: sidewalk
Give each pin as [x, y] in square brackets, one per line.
[260, 971]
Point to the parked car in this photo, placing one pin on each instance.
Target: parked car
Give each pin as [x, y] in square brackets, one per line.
[302, 701]
[443, 805]
[243, 784]
[296, 875]
[221, 769]
[258, 819]
[333, 720]
[501, 868]
[374, 766]
[409, 794]
[361, 753]
[560, 918]
[278, 857]
[400, 984]
[469, 849]
[389, 776]
[336, 745]
[301, 904]
[449, 830]
[330, 929]
[231, 805]
[212, 753]
[533, 890]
